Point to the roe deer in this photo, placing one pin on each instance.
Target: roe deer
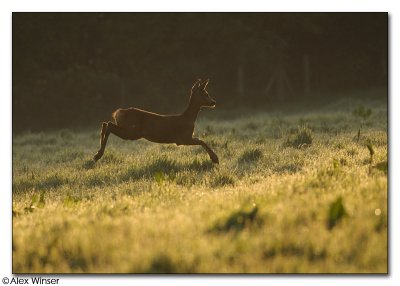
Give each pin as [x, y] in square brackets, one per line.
[133, 123]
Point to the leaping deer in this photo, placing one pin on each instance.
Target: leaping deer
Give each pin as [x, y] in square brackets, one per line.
[133, 123]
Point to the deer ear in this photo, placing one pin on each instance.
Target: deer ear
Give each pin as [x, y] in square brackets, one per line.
[205, 83]
[196, 84]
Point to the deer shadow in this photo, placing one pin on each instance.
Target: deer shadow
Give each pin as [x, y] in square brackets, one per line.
[165, 166]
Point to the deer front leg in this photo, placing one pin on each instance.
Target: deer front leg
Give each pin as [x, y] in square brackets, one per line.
[100, 153]
[196, 141]
[108, 128]
[103, 132]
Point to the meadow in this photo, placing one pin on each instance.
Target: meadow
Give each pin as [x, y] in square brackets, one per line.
[301, 189]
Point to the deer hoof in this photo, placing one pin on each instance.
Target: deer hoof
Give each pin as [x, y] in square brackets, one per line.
[97, 156]
[214, 158]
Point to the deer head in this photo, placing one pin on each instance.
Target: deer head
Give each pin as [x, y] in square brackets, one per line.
[200, 96]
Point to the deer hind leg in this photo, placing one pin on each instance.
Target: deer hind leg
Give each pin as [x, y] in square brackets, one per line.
[107, 128]
[196, 141]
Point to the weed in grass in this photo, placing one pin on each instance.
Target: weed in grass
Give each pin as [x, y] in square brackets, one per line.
[37, 201]
[70, 201]
[162, 264]
[381, 223]
[382, 166]
[363, 113]
[302, 137]
[352, 152]
[76, 261]
[162, 179]
[238, 220]
[371, 152]
[371, 156]
[343, 162]
[340, 145]
[336, 168]
[308, 252]
[336, 213]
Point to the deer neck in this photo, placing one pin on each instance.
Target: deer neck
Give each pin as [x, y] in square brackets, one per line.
[192, 111]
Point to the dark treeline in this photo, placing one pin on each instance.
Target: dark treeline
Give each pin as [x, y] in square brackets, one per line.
[70, 68]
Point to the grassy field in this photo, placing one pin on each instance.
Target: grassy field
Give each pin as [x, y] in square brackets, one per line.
[296, 191]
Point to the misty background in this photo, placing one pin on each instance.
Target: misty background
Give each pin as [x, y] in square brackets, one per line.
[73, 69]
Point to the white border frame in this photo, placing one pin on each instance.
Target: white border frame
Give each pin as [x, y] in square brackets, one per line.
[9, 6]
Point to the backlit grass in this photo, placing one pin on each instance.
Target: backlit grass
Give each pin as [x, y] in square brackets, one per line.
[270, 206]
